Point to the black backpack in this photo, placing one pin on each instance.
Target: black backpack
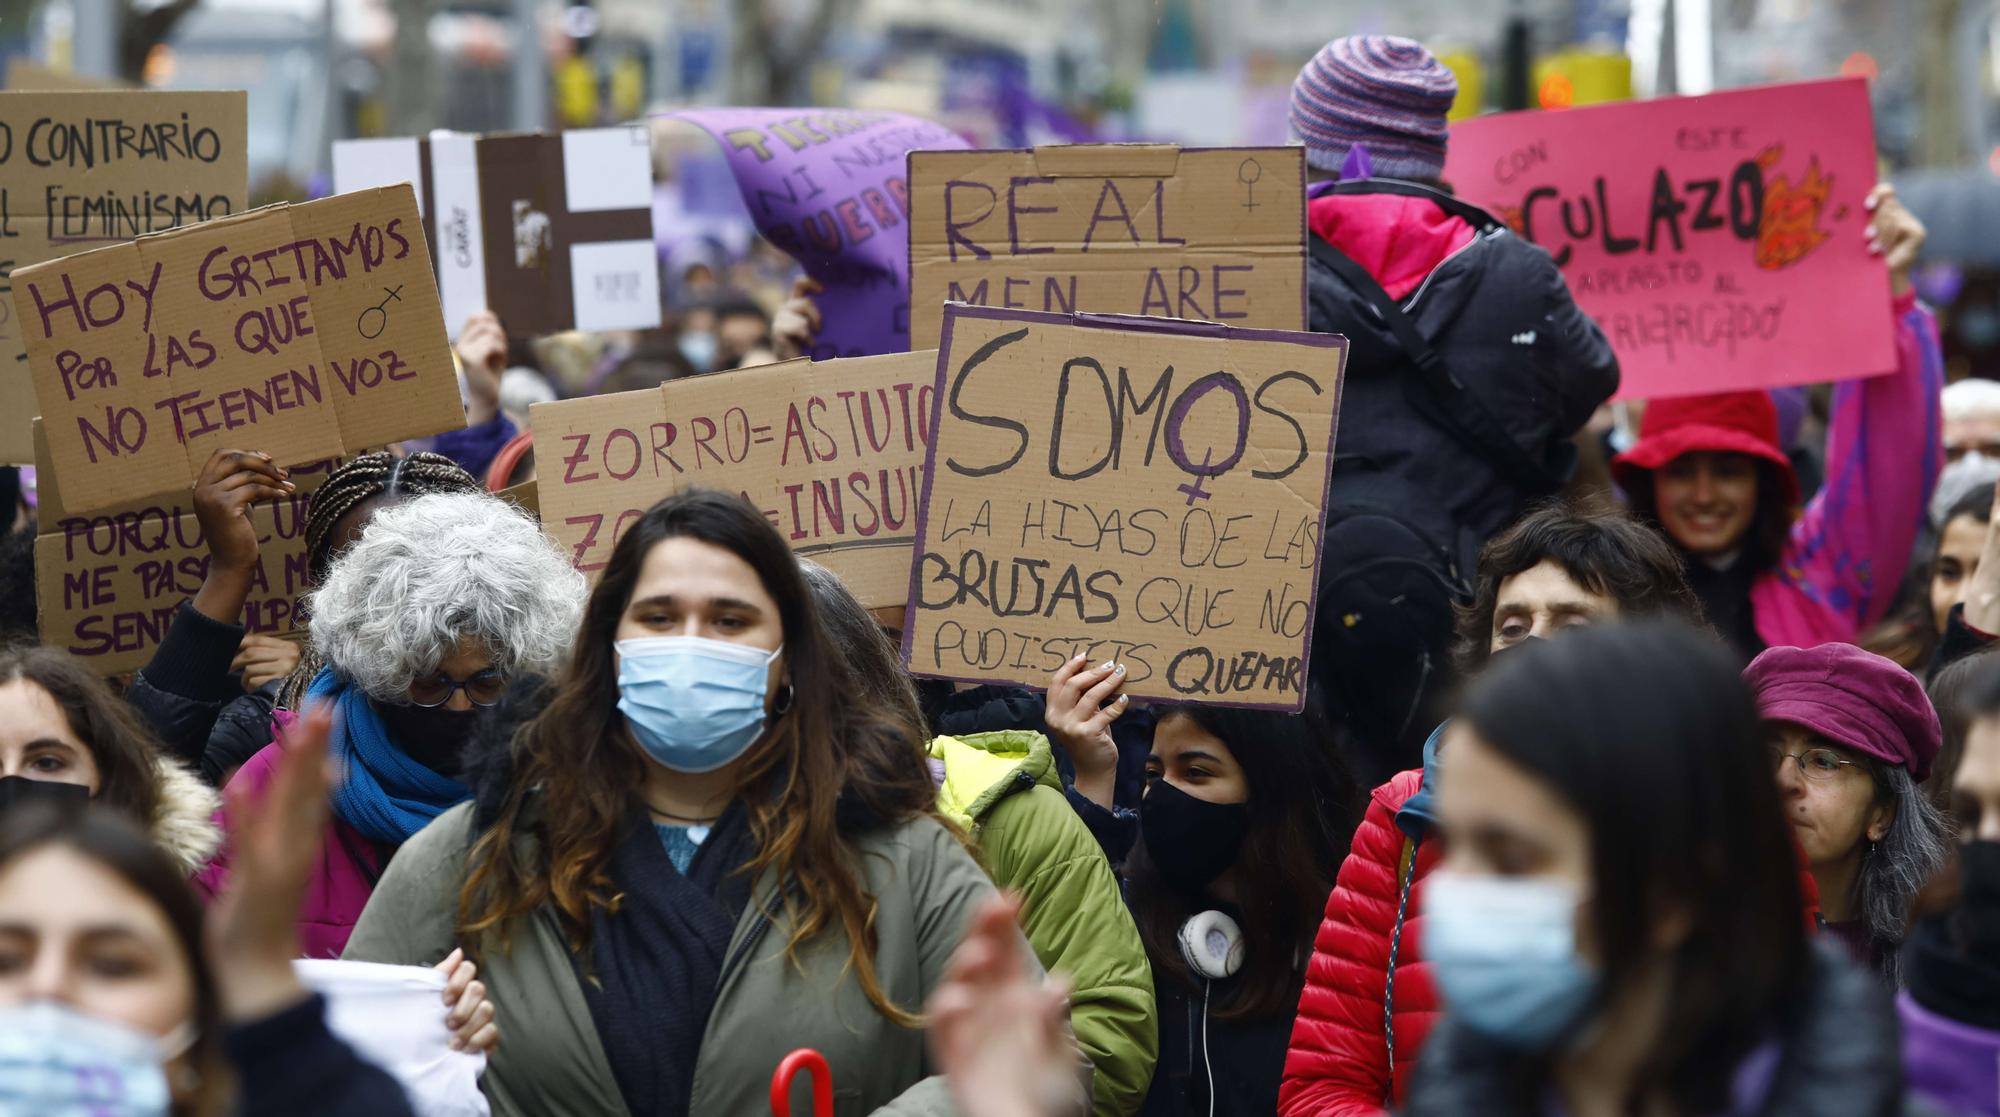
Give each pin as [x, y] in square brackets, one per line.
[1401, 550]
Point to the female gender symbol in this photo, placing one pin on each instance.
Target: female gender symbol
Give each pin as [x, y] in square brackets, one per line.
[1248, 173]
[381, 313]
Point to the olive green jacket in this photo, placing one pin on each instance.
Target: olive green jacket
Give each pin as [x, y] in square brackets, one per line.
[550, 1063]
[1004, 788]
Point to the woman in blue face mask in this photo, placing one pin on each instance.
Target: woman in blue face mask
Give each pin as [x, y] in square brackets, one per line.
[707, 849]
[1615, 926]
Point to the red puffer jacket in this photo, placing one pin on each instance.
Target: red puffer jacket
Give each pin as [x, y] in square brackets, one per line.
[1339, 1062]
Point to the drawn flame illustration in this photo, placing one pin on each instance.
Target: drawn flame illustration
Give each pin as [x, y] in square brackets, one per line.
[1512, 216]
[1789, 230]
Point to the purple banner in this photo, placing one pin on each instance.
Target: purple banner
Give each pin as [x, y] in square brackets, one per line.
[828, 187]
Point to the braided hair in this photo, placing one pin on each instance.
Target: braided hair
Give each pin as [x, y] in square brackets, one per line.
[380, 474]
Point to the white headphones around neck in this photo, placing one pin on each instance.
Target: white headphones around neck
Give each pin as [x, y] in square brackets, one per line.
[1212, 945]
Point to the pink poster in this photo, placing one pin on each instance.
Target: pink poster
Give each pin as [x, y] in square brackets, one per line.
[1718, 240]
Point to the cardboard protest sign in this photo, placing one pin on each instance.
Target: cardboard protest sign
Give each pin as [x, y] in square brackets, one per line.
[829, 188]
[26, 73]
[551, 231]
[1216, 234]
[107, 583]
[525, 496]
[308, 331]
[79, 169]
[831, 451]
[1135, 489]
[1717, 239]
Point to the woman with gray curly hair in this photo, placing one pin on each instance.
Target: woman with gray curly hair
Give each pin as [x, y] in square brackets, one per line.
[1852, 735]
[421, 623]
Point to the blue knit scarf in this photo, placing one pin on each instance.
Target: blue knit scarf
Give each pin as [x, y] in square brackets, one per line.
[383, 793]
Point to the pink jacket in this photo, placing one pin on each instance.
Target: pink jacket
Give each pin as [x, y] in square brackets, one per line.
[1848, 552]
[349, 865]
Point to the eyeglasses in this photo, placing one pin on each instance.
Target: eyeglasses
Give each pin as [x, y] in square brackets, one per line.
[1817, 765]
[483, 689]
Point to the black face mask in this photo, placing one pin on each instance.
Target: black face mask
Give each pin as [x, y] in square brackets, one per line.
[1979, 897]
[21, 789]
[433, 736]
[1191, 841]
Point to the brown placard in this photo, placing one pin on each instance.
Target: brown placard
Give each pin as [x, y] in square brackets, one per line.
[28, 74]
[1215, 234]
[309, 331]
[526, 496]
[107, 583]
[1134, 489]
[80, 169]
[832, 452]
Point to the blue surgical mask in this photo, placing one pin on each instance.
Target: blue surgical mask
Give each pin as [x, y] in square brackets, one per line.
[699, 350]
[1504, 953]
[57, 1062]
[694, 704]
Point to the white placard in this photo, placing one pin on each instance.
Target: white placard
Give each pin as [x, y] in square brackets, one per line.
[364, 164]
[457, 234]
[616, 284]
[607, 168]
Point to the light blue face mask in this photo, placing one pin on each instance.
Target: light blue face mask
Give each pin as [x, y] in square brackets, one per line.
[699, 349]
[694, 704]
[1504, 952]
[57, 1062]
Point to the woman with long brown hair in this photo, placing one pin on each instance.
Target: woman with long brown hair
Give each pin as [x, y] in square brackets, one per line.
[709, 851]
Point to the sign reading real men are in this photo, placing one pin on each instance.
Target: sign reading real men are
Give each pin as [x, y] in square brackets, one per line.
[1214, 234]
[1135, 489]
[83, 169]
[549, 231]
[310, 330]
[1717, 239]
[831, 451]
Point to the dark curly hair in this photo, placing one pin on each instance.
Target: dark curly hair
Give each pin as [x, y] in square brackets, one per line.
[1604, 550]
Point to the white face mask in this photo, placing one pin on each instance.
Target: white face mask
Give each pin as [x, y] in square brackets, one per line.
[58, 1062]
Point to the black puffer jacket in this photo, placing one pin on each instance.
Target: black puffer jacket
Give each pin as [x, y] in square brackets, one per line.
[1838, 1055]
[1499, 314]
[1429, 465]
[188, 696]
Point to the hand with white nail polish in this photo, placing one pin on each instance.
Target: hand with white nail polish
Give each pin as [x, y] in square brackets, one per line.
[1082, 703]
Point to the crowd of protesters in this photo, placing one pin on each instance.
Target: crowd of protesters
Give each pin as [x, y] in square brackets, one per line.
[1636, 822]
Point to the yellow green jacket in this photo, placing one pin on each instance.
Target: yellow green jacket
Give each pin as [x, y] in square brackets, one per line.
[1004, 788]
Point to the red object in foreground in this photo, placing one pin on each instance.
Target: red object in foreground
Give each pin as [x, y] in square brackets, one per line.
[806, 1059]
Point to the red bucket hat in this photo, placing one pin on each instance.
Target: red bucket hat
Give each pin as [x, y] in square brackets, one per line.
[1852, 698]
[1735, 422]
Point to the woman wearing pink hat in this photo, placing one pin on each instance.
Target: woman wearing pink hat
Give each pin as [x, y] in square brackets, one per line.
[1711, 471]
[1851, 736]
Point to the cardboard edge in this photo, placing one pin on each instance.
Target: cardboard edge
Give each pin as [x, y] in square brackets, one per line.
[1325, 500]
[1138, 323]
[910, 256]
[1305, 248]
[923, 524]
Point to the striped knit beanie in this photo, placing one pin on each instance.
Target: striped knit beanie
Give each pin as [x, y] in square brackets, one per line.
[1386, 93]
